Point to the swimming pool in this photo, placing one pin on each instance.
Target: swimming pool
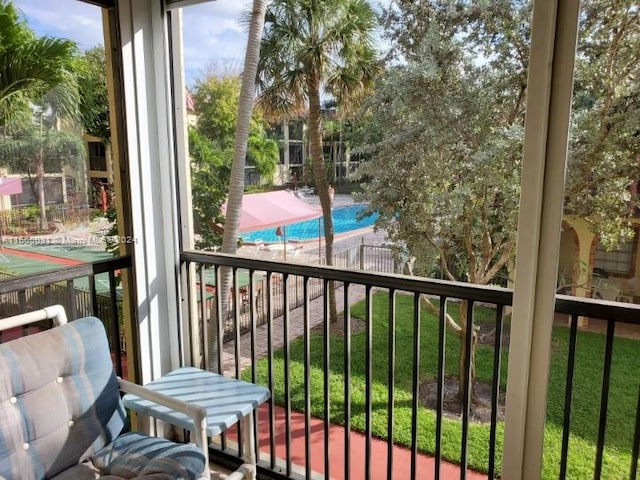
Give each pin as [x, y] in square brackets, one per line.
[344, 220]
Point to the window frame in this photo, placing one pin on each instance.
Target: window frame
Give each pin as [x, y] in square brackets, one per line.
[606, 262]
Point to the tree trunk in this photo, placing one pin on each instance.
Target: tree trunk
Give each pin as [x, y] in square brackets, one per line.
[462, 373]
[236, 183]
[319, 172]
[41, 201]
[285, 151]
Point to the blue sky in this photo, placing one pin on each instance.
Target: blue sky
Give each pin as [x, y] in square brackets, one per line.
[214, 39]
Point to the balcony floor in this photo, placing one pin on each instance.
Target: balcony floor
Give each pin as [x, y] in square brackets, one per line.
[401, 455]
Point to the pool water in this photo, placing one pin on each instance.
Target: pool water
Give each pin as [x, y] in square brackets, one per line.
[345, 219]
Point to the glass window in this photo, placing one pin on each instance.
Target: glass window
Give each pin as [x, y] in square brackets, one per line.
[618, 261]
[97, 156]
[57, 193]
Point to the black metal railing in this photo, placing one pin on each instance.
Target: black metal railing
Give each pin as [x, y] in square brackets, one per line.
[608, 323]
[326, 375]
[87, 289]
[296, 395]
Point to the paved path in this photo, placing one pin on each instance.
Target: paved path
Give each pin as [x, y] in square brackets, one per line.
[296, 329]
[425, 464]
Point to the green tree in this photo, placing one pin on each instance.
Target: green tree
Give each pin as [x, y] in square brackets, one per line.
[216, 107]
[446, 125]
[34, 151]
[445, 168]
[209, 181]
[37, 83]
[94, 99]
[605, 143]
[30, 67]
[310, 47]
[217, 101]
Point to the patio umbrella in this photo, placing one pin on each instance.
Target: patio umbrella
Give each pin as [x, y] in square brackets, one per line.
[274, 209]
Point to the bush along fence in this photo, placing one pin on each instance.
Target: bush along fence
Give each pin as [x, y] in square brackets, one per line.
[26, 218]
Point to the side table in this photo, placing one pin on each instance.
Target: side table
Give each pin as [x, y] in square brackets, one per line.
[225, 400]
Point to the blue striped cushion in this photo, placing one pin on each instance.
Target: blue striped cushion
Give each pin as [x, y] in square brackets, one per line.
[134, 455]
[59, 400]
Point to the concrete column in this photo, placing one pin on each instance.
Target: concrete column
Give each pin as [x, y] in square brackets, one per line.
[549, 92]
[150, 153]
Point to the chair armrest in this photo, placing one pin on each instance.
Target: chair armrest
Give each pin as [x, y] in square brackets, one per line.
[198, 414]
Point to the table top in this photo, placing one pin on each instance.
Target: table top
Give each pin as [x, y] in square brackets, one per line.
[226, 400]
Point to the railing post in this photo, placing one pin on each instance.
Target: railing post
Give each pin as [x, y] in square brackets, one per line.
[550, 83]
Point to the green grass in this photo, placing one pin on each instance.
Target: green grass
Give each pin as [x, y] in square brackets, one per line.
[588, 377]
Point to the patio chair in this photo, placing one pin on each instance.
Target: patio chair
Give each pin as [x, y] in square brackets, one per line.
[295, 252]
[61, 415]
[604, 290]
[259, 244]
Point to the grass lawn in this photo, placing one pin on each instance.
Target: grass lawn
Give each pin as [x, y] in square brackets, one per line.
[587, 389]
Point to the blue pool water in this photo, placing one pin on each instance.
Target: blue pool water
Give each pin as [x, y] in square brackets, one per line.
[344, 220]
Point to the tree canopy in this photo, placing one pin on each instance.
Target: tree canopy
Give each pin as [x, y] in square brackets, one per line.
[444, 131]
[211, 144]
[216, 106]
[310, 47]
[445, 139]
[38, 88]
[452, 105]
[605, 143]
[94, 100]
[30, 68]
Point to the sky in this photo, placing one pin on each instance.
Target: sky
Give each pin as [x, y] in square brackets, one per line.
[214, 38]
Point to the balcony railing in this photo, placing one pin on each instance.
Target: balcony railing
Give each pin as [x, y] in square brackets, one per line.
[366, 375]
[378, 380]
[87, 289]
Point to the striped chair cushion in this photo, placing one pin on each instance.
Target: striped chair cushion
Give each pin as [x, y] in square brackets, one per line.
[59, 400]
[61, 415]
[134, 455]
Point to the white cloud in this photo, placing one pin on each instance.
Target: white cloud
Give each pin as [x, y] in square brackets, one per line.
[77, 21]
[214, 37]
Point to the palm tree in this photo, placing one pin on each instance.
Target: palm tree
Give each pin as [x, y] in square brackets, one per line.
[236, 183]
[29, 66]
[36, 150]
[245, 109]
[312, 47]
[34, 71]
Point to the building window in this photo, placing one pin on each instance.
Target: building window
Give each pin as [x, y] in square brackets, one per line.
[619, 261]
[97, 157]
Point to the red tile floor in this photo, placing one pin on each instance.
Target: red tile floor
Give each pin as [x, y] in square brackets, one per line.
[401, 455]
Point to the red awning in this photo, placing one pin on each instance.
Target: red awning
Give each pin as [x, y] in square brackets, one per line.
[272, 209]
[10, 186]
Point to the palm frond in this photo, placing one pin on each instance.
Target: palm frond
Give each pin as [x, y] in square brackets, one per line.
[331, 40]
